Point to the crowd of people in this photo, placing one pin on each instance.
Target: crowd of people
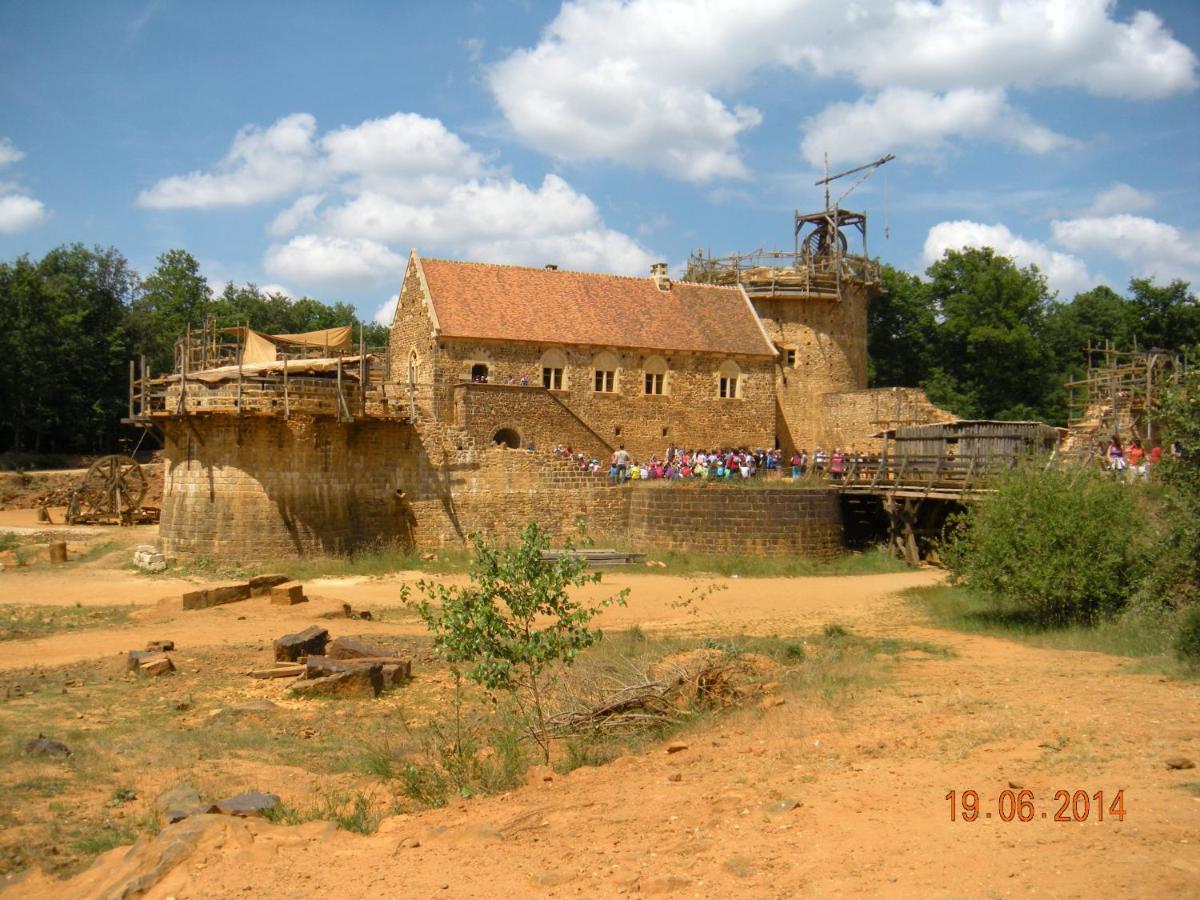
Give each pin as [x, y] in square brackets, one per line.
[725, 464]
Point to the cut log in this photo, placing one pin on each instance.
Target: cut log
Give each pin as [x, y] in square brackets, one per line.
[309, 642]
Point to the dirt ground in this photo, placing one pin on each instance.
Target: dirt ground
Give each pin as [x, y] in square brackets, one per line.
[792, 800]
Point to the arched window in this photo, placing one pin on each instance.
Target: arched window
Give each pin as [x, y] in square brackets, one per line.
[479, 372]
[605, 373]
[729, 380]
[554, 368]
[655, 379]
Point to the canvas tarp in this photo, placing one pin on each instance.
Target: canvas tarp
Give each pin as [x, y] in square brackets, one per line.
[260, 348]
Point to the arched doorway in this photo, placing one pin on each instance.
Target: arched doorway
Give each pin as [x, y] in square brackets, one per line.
[507, 437]
[479, 372]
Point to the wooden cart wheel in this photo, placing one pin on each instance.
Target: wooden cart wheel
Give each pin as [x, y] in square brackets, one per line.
[112, 488]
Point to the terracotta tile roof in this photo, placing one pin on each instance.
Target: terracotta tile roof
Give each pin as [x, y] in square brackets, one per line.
[512, 303]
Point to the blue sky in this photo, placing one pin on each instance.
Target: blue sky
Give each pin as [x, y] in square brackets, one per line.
[306, 146]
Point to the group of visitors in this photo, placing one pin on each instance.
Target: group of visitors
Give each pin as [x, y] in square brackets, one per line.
[1132, 458]
[725, 464]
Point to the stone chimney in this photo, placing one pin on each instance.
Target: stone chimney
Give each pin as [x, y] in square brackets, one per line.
[658, 271]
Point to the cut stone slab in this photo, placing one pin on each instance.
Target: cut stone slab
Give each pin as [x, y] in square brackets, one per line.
[160, 646]
[361, 681]
[262, 584]
[395, 670]
[180, 802]
[288, 670]
[288, 594]
[159, 664]
[136, 657]
[216, 596]
[309, 642]
[251, 803]
[350, 648]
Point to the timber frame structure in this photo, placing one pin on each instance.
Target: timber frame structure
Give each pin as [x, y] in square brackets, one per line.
[1118, 395]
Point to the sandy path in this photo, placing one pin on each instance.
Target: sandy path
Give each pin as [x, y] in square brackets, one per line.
[759, 606]
[870, 772]
[870, 777]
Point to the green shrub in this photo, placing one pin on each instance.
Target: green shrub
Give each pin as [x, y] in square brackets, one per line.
[1056, 546]
[1187, 639]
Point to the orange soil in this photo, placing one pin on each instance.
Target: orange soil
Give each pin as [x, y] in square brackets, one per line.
[870, 773]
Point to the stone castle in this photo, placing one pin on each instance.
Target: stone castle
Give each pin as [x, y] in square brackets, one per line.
[311, 447]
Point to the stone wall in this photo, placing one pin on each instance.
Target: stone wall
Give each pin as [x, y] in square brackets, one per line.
[736, 519]
[263, 488]
[829, 340]
[689, 412]
[536, 415]
[853, 416]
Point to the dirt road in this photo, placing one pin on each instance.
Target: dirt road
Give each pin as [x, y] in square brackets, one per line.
[811, 800]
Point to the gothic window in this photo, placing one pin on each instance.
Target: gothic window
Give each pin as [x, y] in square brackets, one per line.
[729, 381]
[605, 374]
[656, 376]
[554, 367]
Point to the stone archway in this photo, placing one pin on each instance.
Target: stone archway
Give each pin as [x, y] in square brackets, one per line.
[507, 437]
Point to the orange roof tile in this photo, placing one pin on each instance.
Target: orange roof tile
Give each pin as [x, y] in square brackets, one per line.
[512, 303]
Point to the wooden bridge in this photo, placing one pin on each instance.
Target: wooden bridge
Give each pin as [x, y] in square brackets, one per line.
[926, 472]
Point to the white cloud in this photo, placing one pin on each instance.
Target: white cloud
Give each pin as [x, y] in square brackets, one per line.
[1120, 198]
[1064, 273]
[1151, 248]
[275, 289]
[297, 216]
[407, 180]
[20, 213]
[312, 258]
[650, 82]
[403, 145]
[260, 165]
[923, 122]
[9, 154]
[386, 311]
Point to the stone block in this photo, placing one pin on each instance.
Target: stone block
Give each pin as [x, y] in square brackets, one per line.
[309, 642]
[263, 584]
[157, 664]
[228, 593]
[288, 594]
[351, 648]
[360, 681]
[160, 646]
[251, 803]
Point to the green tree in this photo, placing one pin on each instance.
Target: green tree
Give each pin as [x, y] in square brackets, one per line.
[516, 621]
[900, 331]
[173, 296]
[65, 348]
[1167, 316]
[990, 315]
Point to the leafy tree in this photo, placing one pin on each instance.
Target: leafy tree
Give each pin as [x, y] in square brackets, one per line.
[64, 348]
[1167, 316]
[990, 315]
[174, 296]
[516, 621]
[900, 331]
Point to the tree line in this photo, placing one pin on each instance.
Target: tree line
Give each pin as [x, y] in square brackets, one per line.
[71, 321]
[988, 339]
